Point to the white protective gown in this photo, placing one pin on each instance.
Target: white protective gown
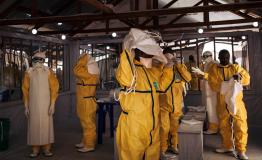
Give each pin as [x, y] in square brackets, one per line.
[40, 88]
[209, 97]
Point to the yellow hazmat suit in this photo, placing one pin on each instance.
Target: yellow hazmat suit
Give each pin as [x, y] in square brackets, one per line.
[137, 135]
[216, 75]
[86, 102]
[40, 90]
[194, 81]
[171, 110]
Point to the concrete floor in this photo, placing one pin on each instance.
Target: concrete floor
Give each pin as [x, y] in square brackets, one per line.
[68, 133]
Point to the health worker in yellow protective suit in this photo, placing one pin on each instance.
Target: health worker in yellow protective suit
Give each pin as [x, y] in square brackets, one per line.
[217, 74]
[137, 134]
[40, 90]
[87, 74]
[192, 63]
[209, 97]
[171, 102]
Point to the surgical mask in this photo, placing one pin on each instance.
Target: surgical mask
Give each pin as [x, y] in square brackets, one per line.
[147, 62]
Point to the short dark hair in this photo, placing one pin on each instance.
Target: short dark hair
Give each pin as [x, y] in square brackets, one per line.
[167, 50]
[223, 51]
[191, 57]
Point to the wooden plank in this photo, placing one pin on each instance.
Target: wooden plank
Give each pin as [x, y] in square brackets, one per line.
[206, 14]
[148, 4]
[34, 8]
[179, 25]
[155, 18]
[134, 14]
[170, 4]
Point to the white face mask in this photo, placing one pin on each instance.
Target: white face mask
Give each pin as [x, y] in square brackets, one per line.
[147, 62]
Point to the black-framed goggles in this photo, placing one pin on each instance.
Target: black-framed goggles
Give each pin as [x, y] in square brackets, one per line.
[38, 59]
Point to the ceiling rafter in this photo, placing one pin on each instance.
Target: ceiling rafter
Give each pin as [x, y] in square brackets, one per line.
[28, 10]
[34, 8]
[164, 7]
[155, 18]
[80, 27]
[134, 6]
[245, 27]
[182, 15]
[134, 14]
[206, 14]
[56, 12]
[165, 26]
[100, 6]
[239, 13]
[9, 9]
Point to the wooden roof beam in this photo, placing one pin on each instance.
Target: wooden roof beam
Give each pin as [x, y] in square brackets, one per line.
[169, 4]
[59, 10]
[239, 13]
[182, 15]
[28, 10]
[206, 14]
[9, 9]
[134, 6]
[165, 6]
[34, 8]
[100, 6]
[62, 7]
[134, 14]
[208, 29]
[165, 26]
[81, 27]
[155, 18]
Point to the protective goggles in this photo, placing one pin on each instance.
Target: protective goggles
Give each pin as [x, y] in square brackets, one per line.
[38, 59]
[206, 56]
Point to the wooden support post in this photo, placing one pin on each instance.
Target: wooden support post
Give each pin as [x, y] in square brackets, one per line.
[148, 4]
[206, 14]
[155, 18]
[34, 8]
